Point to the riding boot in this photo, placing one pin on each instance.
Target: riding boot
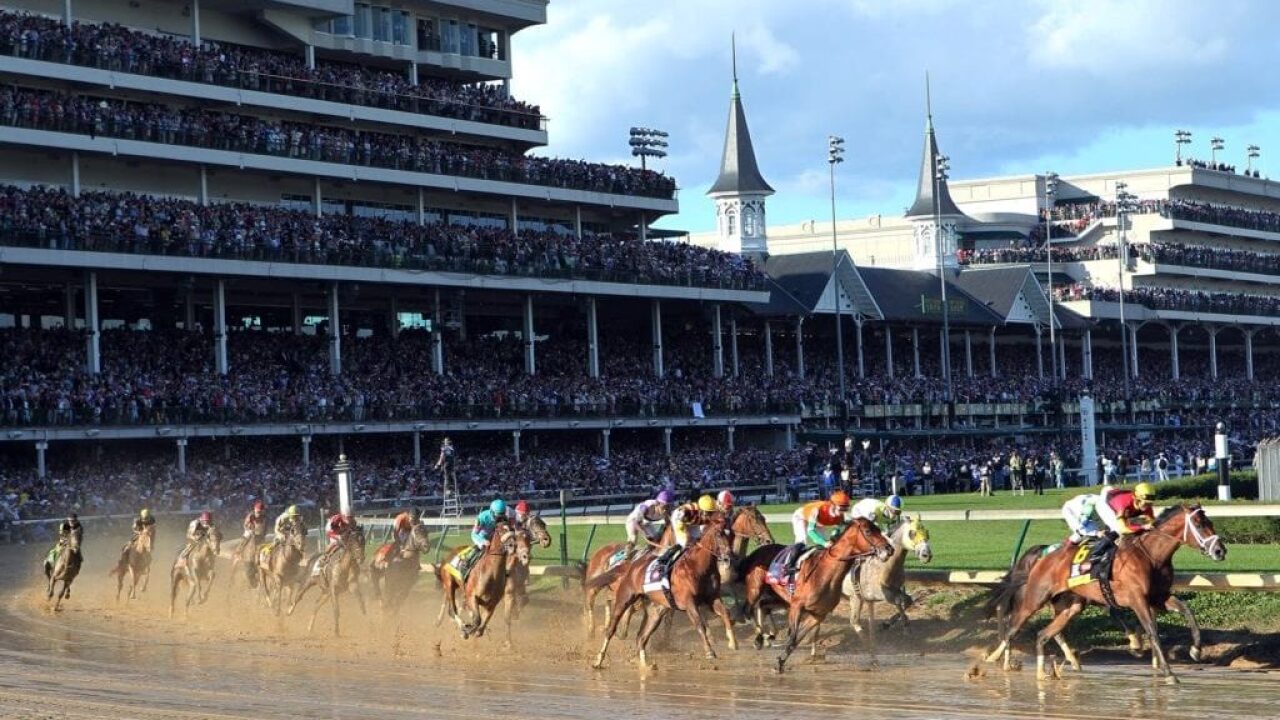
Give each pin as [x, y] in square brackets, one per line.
[793, 562]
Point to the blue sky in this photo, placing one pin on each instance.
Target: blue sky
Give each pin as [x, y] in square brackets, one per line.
[1018, 87]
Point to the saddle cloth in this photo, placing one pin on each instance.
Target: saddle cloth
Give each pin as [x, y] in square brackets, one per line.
[616, 558]
[1087, 565]
[264, 550]
[778, 576]
[383, 554]
[655, 577]
[460, 566]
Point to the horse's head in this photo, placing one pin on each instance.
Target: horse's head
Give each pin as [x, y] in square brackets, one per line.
[296, 538]
[522, 547]
[748, 521]
[537, 529]
[419, 538]
[144, 541]
[1192, 528]
[214, 538]
[353, 542]
[915, 538]
[862, 537]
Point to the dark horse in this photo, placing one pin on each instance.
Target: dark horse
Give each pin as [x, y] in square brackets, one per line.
[486, 583]
[1141, 580]
[245, 559]
[195, 566]
[279, 565]
[694, 582]
[517, 592]
[392, 571]
[135, 561]
[818, 586]
[64, 569]
[335, 573]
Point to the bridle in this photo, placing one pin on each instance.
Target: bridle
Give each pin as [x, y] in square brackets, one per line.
[762, 537]
[1207, 543]
[868, 553]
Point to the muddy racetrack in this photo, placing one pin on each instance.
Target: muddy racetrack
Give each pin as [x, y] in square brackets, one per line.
[232, 659]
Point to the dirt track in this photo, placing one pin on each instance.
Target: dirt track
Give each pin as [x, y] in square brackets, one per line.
[232, 659]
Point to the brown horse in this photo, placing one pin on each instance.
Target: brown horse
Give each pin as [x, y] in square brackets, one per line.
[818, 582]
[516, 596]
[486, 582]
[393, 572]
[64, 569]
[1141, 580]
[335, 573]
[246, 559]
[195, 566]
[279, 565]
[135, 561]
[694, 581]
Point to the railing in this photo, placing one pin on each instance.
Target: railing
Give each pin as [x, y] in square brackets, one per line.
[160, 67]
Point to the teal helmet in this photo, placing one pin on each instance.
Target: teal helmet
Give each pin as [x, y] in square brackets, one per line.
[498, 507]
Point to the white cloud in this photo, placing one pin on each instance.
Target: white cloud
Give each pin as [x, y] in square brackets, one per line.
[772, 56]
[1104, 37]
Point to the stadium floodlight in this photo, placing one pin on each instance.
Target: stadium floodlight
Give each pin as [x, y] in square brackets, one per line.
[1216, 144]
[1253, 152]
[835, 156]
[1050, 195]
[1180, 138]
[648, 143]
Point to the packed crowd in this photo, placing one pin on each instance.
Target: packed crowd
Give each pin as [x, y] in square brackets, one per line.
[124, 222]
[117, 48]
[195, 127]
[1034, 254]
[1214, 165]
[1158, 298]
[1210, 257]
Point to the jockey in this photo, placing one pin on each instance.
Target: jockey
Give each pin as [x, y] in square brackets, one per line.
[1081, 515]
[882, 514]
[684, 519]
[145, 522]
[808, 520]
[520, 516]
[403, 526]
[255, 523]
[487, 522]
[646, 520]
[68, 530]
[724, 501]
[1124, 512]
[338, 524]
[199, 527]
[285, 520]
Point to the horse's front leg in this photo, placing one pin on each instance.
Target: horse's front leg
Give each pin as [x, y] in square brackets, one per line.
[315, 611]
[799, 624]
[719, 608]
[1174, 603]
[695, 617]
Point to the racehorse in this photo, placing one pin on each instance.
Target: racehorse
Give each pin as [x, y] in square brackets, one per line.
[393, 572]
[195, 566]
[517, 593]
[278, 566]
[694, 580]
[485, 584]
[246, 558]
[135, 561]
[817, 584]
[876, 580]
[64, 569]
[335, 573]
[1141, 580]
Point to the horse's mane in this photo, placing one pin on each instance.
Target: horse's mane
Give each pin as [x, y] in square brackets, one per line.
[1169, 512]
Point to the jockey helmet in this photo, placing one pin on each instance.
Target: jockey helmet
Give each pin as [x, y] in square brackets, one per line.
[706, 503]
[206, 517]
[1143, 493]
[292, 511]
[144, 514]
[415, 515]
[840, 499]
[259, 506]
[666, 497]
[893, 504]
[522, 507]
[725, 499]
[73, 518]
[498, 507]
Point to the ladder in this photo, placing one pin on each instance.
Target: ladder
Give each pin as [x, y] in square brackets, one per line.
[451, 512]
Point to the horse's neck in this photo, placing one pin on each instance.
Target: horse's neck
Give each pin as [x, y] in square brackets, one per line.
[1160, 544]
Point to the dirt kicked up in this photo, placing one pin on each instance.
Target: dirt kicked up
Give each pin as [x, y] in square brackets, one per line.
[233, 659]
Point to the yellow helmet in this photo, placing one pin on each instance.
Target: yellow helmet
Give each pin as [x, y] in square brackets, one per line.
[144, 514]
[292, 511]
[1144, 492]
[706, 503]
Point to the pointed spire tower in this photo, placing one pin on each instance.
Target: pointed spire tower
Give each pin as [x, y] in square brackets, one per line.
[933, 212]
[740, 191]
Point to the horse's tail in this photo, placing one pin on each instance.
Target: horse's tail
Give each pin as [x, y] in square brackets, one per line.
[1005, 594]
[603, 579]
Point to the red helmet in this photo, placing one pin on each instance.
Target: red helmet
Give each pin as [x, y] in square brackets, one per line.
[522, 507]
[259, 506]
[725, 499]
[206, 517]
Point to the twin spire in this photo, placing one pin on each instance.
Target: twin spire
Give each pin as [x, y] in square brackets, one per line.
[924, 203]
[739, 173]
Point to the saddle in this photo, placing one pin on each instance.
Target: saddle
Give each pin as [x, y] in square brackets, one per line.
[1092, 563]
[657, 575]
[460, 566]
[781, 575]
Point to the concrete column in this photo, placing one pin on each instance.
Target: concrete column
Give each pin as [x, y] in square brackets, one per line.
[768, 349]
[297, 314]
[862, 354]
[310, 53]
[1213, 351]
[189, 312]
[393, 321]
[306, 451]
[417, 449]
[513, 217]
[515, 445]
[1086, 355]
[317, 201]
[728, 437]
[800, 346]
[656, 322]
[220, 326]
[41, 468]
[577, 221]
[733, 345]
[75, 164]
[66, 20]
[790, 436]
[593, 339]
[182, 456]
[666, 441]
[1062, 359]
[1175, 370]
[204, 186]
[93, 328]
[1039, 352]
[968, 352]
[422, 207]
[195, 22]
[1133, 348]
[437, 336]
[69, 311]
[915, 349]
[530, 349]
[412, 71]
[335, 332]
[993, 351]
[604, 443]
[888, 350]
[717, 343]
[644, 228]
[1248, 353]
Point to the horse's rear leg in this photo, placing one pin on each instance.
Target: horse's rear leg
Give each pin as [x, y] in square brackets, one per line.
[651, 622]
[622, 603]
[194, 582]
[333, 598]
[1055, 626]
[855, 611]
[813, 644]
[719, 608]
[1173, 603]
[589, 609]
[295, 598]
[320, 601]
[799, 624]
[1028, 603]
[174, 580]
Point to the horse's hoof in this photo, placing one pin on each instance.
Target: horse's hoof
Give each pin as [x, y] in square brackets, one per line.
[1194, 652]
[781, 664]
[711, 655]
[1172, 679]
[758, 642]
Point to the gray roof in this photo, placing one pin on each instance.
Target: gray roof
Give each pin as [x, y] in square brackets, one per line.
[923, 206]
[738, 170]
[995, 287]
[800, 279]
[914, 296]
